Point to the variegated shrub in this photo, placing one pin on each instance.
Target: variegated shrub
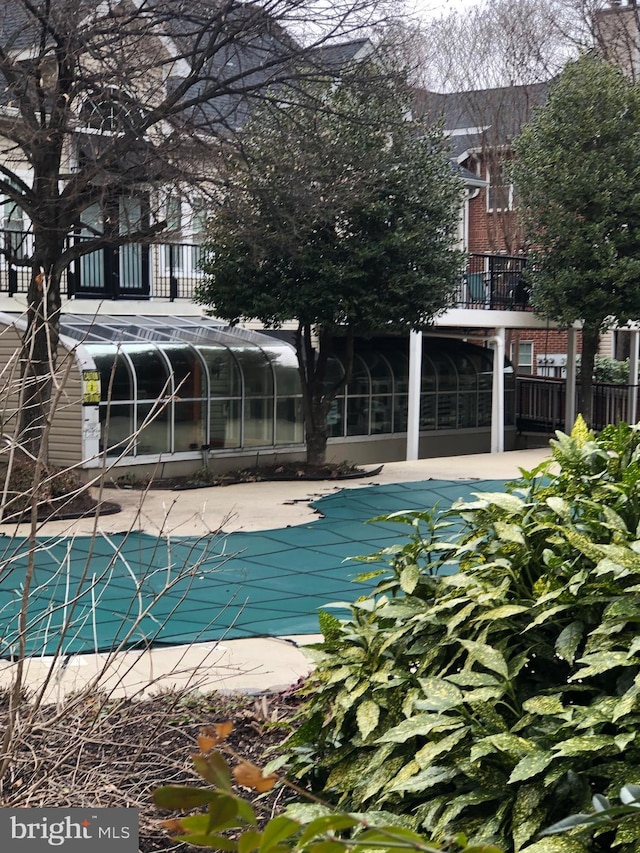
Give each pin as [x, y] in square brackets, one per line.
[497, 698]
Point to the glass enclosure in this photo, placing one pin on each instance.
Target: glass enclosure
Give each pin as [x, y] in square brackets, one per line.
[456, 388]
[181, 384]
[172, 385]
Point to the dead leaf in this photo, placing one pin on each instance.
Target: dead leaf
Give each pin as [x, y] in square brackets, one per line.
[250, 776]
[213, 736]
[174, 825]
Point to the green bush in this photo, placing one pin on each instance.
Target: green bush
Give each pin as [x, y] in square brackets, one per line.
[610, 370]
[498, 698]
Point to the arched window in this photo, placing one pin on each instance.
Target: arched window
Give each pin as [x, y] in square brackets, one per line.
[110, 111]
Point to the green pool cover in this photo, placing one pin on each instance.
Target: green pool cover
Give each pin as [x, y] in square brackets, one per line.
[99, 593]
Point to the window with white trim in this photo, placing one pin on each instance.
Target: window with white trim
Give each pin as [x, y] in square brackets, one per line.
[500, 191]
[523, 357]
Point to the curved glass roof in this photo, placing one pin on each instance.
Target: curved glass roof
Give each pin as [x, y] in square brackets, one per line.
[139, 329]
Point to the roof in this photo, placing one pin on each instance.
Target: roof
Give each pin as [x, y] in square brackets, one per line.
[477, 118]
[243, 53]
[140, 329]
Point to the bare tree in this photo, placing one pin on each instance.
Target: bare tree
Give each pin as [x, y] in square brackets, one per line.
[487, 70]
[102, 105]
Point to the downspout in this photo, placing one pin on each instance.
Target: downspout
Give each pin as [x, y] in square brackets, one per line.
[415, 383]
[570, 381]
[633, 375]
[465, 226]
[497, 342]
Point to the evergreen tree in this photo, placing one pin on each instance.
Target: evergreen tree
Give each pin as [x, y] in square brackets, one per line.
[578, 174]
[341, 216]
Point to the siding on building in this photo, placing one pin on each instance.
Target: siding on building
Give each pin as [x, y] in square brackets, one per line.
[65, 441]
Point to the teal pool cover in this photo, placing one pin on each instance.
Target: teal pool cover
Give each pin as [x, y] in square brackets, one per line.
[131, 590]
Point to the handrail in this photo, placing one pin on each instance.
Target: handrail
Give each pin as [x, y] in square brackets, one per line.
[171, 271]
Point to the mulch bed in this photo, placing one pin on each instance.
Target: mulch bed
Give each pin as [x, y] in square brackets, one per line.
[60, 493]
[108, 754]
[287, 471]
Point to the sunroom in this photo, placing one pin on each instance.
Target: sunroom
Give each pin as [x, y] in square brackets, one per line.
[163, 395]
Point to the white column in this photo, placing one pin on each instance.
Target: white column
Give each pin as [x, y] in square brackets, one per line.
[497, 398]
[634, 344]
[415, 384]
[570, 382]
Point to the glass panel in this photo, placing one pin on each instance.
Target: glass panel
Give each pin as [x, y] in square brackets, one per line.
[399, 362]
[256, 371]
[447, 411]
[224, 376]
[285, 367]
[258, 422]
[115, 433]
[187, 371]
[174, 212]
[446, 373]
[467, 375]
[188, 425]
[428, 379]
[92, 265]
[289, 420]
[484, 409]
[130, 255]
[174, 257]
[400, 413]
[357, 415]
[224, 423]
[485, 368]
[13, 223]
[359, 382]
[114, 374]
[154, 437]
[334, 372]
[196, 257]
[428, 411]
[335, 418]
[151, 372]
[381, 376]
[468, 409]
[381, 414]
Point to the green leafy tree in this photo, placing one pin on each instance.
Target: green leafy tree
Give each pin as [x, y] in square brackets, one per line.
[340, 216]
[579, 180]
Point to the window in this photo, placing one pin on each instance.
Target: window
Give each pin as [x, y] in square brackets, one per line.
[109, 112]
[14, 226]
[500, 192]
[186, 223]
[523, 357]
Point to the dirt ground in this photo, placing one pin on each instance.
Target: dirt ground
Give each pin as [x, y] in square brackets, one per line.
[107, 754]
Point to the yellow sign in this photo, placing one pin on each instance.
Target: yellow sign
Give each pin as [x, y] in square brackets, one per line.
[91, 387]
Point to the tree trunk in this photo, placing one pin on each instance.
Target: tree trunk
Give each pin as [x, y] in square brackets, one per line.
[317, 441]
[40, 343]
[316, 397]
[590, 343]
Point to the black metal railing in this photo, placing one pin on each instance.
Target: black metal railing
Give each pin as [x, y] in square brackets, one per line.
[171, 271]
[540, 404]
[495, 282]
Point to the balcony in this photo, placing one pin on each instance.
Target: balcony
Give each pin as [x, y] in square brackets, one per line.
[494, 282]
[170, 271]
